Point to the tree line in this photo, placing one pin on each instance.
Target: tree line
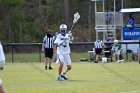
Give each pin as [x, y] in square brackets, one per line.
[26, 21]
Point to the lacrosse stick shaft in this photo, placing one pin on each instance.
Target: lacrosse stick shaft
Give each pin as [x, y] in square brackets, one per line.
[72, 27]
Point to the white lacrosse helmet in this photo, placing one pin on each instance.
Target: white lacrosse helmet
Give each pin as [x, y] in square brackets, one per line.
[63, 27]
[116, 41]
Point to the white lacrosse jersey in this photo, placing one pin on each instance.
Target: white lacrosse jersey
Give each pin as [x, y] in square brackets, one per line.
[63, 44]
[2, 56]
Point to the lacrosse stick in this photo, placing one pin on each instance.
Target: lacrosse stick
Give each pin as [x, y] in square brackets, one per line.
[76, 17]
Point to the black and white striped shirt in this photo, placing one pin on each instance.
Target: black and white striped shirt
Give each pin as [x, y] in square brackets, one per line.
[98, 44]
[48, 42]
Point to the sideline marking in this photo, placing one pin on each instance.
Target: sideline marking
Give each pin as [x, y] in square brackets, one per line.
[131, 91]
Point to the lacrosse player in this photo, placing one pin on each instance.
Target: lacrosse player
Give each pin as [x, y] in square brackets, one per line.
[131, 21]
[2, 62]
[63, 50]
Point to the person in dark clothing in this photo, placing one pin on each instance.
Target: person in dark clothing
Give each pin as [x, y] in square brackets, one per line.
[47, 46]
[99, 45]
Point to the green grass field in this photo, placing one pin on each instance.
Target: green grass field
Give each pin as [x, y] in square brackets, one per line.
[85, 77]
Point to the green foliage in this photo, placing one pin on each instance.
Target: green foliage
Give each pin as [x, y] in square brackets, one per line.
[11, 3]
[24, 18]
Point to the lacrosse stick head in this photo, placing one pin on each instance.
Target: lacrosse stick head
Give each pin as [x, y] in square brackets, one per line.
[76, 17]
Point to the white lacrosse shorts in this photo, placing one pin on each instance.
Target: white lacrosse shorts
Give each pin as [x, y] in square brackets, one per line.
[118, 52]
[64, 58]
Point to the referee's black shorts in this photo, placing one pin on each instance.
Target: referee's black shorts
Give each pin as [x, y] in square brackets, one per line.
[98, 50]
[49, 52]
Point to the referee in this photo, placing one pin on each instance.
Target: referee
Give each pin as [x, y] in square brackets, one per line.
[47, 45]
[98, 48]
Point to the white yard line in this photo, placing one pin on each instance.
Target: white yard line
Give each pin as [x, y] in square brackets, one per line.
[136, 91]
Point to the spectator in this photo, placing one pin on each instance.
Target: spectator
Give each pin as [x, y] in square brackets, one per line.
[99, 45]
[108, 48]
[47, 45]
[130, 21]
[108, 18]
[117, 51]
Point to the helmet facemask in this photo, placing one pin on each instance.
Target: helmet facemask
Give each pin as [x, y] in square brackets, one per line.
[63, 29]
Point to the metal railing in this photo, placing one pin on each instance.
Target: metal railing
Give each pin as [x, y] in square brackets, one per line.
[13, 50]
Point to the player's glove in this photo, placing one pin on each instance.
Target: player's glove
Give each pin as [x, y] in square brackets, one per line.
[64, 44]
[70, 34]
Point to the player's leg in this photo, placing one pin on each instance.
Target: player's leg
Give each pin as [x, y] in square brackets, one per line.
[64, 73]
[2, 90]
[60, 68]
[118, 57]
[60, 71]
[121, 59]
[61, 61]
[68, 63]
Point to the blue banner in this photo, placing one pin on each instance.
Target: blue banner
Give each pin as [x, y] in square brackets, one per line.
[131, 34]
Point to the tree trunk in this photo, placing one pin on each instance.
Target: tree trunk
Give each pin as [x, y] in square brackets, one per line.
[40, 11]
[20, 37]
[89, 20]
[66, 11]
[9, 26]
